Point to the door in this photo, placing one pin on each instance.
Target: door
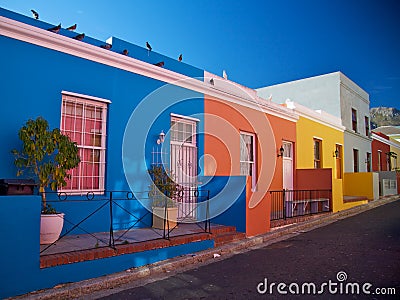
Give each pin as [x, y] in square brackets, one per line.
[288, 165]
[288, 177]
[184, 164]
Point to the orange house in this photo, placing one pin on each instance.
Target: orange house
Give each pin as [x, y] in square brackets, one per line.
[243, 137]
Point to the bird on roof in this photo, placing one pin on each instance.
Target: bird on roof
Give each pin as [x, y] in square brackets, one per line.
[35, 14]
[160, 64]
[212, 81]
[71, 28]
[224, 74]
[106, 46]
[148, 46]
[79, 37]
[180, 58]
[125, 52]
[55, 29]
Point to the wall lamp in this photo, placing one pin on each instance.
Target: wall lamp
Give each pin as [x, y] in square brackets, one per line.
[161, 137]
[336, 153]
[281, 151]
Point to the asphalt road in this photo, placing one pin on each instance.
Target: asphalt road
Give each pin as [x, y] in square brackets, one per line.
[361, 252]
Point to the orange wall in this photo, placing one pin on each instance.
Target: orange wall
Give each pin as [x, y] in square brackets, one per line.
[284, 130]
[223, 122]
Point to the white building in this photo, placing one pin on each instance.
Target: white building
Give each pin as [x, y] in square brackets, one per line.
[338, 95]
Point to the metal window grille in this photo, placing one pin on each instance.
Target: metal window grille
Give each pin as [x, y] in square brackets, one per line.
[84, 121]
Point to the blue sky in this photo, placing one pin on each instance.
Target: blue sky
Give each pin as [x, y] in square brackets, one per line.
[258, 43]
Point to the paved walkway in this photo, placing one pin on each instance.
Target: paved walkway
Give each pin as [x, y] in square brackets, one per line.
[101, 239]
[89, 287]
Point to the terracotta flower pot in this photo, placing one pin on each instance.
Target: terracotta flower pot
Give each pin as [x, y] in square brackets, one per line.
[158, 217]
[50, 228]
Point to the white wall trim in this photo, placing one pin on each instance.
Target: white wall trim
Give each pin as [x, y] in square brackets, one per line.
[85, 96]
[385, 141]
[37, 36]
[184, 117]
[321, 117]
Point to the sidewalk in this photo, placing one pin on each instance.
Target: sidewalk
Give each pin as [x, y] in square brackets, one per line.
[85, 288]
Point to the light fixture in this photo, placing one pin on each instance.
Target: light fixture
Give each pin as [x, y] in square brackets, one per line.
[281, 151]
[161, 137]
[336, 153]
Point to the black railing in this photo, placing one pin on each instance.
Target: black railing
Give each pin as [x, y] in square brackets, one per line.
[293, 203]
[109, 217]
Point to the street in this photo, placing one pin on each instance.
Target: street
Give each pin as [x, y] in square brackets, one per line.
[354, 258]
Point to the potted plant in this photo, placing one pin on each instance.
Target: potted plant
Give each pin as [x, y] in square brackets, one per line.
[164, 192]
[48, 155]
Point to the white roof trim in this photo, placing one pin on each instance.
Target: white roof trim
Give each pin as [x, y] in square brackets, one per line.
[385, 141]
[37, 36]
[85, 96]
[320, 116]
[184, 117]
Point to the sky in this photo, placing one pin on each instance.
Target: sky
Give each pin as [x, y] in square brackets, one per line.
[258, 43]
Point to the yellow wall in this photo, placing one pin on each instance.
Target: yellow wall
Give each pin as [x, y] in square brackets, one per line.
[362, 184]
[397, 151]
[306, 131]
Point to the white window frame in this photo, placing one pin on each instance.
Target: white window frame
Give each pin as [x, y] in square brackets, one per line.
[253, 162]
[97, 103]
[188, 121]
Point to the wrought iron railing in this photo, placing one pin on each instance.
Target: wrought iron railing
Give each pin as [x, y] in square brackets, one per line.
[293, 203]
[109, 217]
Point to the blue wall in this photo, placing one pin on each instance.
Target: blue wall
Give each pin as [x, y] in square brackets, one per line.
[227, 194]
[32, 85]
[20, 261]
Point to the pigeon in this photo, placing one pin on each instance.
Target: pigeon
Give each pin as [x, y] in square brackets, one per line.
[148, 46]
[35, 14]
[224, 74]
[180, 58]
[72, 28]
[79, 37]
[159, 64]
[125, 52]
[55, 29]
[106, 46]
[212, 81]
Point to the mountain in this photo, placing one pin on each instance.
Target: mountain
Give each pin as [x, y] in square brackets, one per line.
[384, 116]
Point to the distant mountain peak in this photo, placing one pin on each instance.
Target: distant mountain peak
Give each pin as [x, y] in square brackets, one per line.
[384, 116]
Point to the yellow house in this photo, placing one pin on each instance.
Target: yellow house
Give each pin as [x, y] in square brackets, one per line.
[319, 147]
[395, 153]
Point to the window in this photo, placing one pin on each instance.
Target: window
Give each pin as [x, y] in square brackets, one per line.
[183, 131]
[368, 162]
[354, 119]
[355, 161]
[84, 121]
[380, 160]
[317, 154]
[247, 156]
[338, 151]
[287, 149]
[367, 131]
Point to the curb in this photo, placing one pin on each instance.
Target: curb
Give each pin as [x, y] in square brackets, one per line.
[89, 286]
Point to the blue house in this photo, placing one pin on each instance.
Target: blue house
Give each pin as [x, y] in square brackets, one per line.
[127, 108]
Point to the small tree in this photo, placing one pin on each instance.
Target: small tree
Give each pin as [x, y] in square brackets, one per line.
[163, 190]
[49, 155]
